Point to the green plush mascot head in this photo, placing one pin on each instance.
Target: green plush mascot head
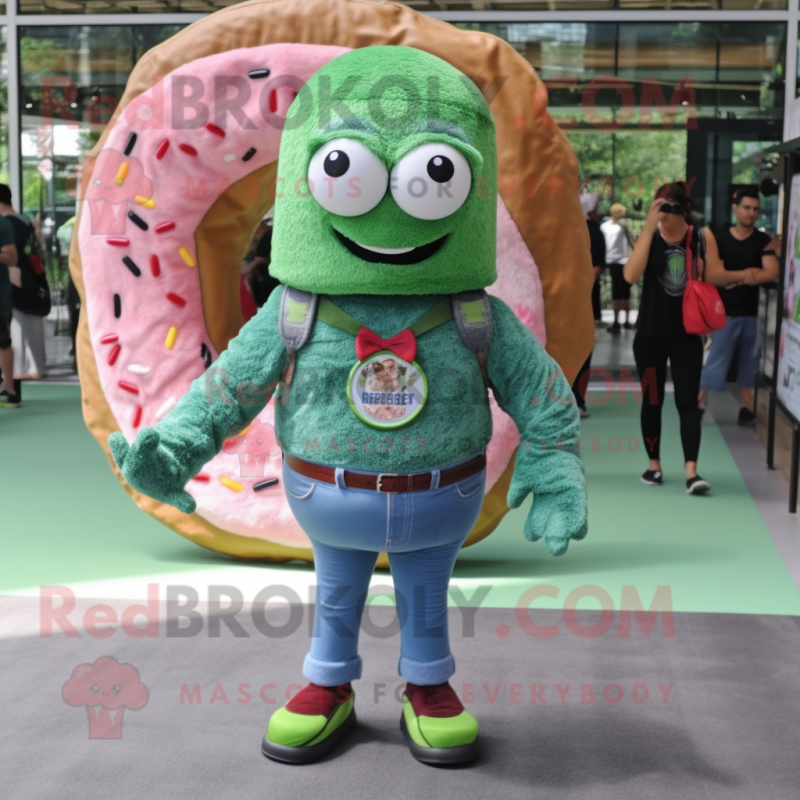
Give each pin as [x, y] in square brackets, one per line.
[387, 179]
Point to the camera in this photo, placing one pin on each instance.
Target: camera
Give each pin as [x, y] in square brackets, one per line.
[671, 208]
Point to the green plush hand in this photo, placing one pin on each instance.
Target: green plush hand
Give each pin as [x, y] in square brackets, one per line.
[151, 468]
[558, 517]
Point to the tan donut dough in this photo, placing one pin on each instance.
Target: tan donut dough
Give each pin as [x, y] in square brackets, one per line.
[543, 251]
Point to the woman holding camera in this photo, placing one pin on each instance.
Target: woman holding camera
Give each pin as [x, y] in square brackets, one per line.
[660, 255]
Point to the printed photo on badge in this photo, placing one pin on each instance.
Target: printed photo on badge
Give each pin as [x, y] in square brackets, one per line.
[386, 391]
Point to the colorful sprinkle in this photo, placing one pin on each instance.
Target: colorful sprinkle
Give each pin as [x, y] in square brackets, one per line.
[172, 335]
[217, 131]
[263, 485]
[155, 266]
[205, 354]
[131, 265]
[168, 406]
[162, 148]
[109, 338]
[137, 416]
[147, 202]
[121, 173]
[201, 476]
[138, 369]
[129, 387]
[163, 227]
[258, 73]
[188, 149]
[131, 142]
[137, 221]
[228, 157]
[117, 306]
[249, 154]
[236, 487]
[187, 257]
[118, 241]
[177, 299]
[112, 356]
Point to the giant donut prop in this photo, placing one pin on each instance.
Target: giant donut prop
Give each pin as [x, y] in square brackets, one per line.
[171, 195]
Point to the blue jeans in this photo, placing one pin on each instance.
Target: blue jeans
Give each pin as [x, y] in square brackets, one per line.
[739, 334]
[421, 532]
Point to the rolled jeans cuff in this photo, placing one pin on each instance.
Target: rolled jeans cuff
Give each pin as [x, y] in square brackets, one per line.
[427, 673]
[331, 673]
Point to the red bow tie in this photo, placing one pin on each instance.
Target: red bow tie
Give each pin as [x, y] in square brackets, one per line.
[404, 344]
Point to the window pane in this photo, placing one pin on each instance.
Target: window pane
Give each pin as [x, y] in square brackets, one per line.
[72, 78]
[122, 6]
[558, 48]
[735, 70]
[209, 6]
[575, 5]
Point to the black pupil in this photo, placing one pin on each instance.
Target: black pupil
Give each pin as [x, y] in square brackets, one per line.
[336, 163]
[441, 169]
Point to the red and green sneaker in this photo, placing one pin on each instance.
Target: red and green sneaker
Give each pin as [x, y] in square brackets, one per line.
[311, 724]
[437, 728]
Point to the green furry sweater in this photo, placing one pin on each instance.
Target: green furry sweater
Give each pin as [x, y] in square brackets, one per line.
[315, 422]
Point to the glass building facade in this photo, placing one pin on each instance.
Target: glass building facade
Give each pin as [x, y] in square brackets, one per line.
[644, 89]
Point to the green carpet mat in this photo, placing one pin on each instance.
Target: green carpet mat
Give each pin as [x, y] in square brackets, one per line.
[67, 521]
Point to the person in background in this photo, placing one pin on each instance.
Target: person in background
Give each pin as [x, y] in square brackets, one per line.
[64, 239]
[27, 330]
[261, 283]
[660, 255]
[618, 243]
[597, 244]
[750, 255]
[9, 275]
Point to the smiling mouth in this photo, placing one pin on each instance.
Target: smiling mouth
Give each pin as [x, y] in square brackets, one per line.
[391, 255]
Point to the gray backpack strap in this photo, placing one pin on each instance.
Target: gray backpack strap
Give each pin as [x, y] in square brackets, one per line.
[472, 313]
[296, 321]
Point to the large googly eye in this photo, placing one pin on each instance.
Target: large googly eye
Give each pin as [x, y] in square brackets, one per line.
[347, 178]
[432, 181]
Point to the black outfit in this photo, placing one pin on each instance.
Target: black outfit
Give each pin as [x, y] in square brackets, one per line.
[74, 310]
[739, 254]
[620, 288]
[661, 337]
[261, 282]
[597, 242]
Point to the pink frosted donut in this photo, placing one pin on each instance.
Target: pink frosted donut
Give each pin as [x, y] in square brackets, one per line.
[164, 164]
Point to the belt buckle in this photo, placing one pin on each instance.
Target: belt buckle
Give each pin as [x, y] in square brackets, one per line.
[379, 481]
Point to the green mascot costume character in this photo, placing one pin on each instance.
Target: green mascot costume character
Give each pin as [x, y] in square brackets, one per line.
[380, 348]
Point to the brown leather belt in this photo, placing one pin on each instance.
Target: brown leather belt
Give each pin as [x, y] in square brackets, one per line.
[387, 482]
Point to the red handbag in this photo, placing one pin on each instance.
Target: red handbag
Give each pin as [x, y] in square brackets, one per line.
[703, 311]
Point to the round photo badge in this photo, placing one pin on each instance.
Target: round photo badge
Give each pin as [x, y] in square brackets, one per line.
[387, 391]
